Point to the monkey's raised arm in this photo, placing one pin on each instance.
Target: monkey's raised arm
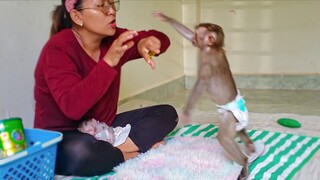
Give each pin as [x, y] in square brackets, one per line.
[180, 28]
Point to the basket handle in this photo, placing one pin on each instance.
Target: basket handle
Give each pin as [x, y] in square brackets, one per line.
[34, 147]
[13, 157]
[31, 149]
[53, 141]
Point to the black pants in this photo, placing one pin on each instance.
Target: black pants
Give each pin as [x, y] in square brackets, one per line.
[81, 154]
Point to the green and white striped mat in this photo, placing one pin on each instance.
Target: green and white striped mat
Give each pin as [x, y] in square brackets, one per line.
[284, 156]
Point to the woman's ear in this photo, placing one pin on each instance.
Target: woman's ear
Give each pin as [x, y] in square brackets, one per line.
[76, 17]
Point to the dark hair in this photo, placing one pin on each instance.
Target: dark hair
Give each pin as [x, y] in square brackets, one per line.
[217, 29]
[61, 18]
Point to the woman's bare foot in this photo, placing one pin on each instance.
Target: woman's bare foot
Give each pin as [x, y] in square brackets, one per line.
[129, 155]
[128, 146]
[156, 145]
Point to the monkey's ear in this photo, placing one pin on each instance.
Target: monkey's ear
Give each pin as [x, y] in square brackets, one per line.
[212, 38]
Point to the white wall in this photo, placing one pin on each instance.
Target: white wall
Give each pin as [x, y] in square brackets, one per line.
[25, 26]
[262, 37]
[24, 29]
[137, 76]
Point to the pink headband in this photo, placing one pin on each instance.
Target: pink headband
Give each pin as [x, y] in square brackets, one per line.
[70, 4]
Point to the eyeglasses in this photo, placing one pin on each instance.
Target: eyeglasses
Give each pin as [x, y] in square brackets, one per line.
[104, 7]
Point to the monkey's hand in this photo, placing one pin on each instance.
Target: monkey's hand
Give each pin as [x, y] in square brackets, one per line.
[161, 16]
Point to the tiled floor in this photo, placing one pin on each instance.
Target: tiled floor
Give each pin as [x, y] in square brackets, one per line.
[265, 107]
[271, 104]
[263, 101]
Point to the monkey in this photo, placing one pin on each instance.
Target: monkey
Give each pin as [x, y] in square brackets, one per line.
[215, 77]
[101, 131]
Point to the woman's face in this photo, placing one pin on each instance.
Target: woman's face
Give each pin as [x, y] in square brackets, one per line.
[99, 16]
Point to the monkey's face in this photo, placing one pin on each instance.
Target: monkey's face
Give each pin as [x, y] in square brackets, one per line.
[88, 127]
[202, 37]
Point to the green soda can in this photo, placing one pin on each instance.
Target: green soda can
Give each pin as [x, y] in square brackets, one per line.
[12, 137]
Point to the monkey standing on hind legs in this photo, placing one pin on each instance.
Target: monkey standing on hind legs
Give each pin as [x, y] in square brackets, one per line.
[215, 77]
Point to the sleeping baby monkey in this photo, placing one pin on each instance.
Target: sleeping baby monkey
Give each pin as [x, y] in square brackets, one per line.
[215, 77]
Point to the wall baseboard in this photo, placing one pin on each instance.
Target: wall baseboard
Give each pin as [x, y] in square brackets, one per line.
[292, 82]
[160, 92]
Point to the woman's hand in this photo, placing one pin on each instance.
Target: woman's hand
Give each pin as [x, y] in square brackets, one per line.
[118, 47]
[147, 46]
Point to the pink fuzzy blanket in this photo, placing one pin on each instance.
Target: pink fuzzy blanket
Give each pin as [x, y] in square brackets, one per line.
[180, 158]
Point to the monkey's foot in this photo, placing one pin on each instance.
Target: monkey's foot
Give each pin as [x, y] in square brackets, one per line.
[244, 173]
[259, 149]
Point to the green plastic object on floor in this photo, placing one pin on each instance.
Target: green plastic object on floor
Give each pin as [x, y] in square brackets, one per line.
[287, 122]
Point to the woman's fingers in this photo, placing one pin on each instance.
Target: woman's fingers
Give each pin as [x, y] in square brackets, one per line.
[123, 40]
[149, 47]
[119, 46]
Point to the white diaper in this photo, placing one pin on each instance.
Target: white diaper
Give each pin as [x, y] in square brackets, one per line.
[121, 134]
[238, 109]
[115, 136]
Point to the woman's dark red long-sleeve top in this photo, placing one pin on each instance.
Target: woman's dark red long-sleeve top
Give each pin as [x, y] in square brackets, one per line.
[70, 86]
